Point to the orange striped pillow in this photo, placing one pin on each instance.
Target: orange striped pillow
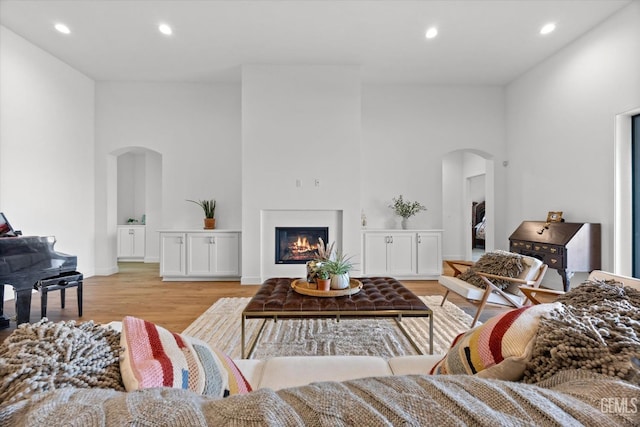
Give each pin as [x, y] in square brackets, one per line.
[154, 357]
[500, 348]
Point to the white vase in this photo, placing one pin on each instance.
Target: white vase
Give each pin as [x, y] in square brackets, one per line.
[340, 281]
[403, 223]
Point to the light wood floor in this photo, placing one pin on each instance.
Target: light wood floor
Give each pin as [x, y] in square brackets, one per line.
[137, 290]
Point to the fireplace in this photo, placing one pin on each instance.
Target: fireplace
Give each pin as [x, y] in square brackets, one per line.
[297, 245]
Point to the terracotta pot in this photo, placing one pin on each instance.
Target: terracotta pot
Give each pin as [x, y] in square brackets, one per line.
[323, 284]
[209, 223]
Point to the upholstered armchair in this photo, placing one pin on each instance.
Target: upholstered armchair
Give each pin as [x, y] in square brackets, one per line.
[487, 287]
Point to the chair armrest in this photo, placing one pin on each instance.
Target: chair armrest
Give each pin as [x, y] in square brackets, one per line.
[453, 265]
[530, 292]
[508, 279]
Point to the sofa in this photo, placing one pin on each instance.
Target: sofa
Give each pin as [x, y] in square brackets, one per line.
[557, 377]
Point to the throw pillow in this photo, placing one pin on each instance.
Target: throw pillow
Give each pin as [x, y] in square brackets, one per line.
[154, 357]
[499, 349]
[43, 356]
[500, 263]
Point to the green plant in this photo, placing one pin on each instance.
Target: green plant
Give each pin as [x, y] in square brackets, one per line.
[340, 265]
[209, 207]
[322, 272]
[406, 209]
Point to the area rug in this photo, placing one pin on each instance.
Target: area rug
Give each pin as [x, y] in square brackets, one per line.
[220, 326]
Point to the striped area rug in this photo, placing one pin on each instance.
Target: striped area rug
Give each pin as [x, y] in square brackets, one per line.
[220, 326]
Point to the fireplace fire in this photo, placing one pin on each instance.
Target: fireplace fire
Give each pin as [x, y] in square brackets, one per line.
[297, 245]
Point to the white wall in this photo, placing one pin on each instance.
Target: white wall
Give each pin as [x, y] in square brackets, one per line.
[560, 127]
[299, 123]
[47, 147]
[131, 186]
[408, 130]
[196, 130]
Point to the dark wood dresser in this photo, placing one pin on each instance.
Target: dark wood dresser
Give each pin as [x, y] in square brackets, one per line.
[565, 246]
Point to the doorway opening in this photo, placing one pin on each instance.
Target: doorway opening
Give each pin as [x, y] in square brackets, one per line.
[138, 198]
[468, 204]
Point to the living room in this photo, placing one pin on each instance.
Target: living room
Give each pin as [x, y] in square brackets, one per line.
[221, 139]
[294, 108]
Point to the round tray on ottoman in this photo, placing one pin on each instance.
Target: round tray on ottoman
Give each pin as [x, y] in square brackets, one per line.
[303, 287]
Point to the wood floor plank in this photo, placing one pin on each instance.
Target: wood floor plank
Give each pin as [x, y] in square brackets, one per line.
[138, 290]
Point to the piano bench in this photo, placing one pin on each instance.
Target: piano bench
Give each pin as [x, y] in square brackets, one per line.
[62, 283]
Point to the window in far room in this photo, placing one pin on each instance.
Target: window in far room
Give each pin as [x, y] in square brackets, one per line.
[635, 150]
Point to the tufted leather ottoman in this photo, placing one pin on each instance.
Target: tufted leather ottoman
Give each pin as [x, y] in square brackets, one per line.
[379, 297]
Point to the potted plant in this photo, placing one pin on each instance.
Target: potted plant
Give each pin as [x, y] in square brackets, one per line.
[405, 209]
[338, 269]
[325, 252]
[323, 279]
[209, 207]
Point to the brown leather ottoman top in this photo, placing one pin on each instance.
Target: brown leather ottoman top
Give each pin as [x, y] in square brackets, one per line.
[378, 294]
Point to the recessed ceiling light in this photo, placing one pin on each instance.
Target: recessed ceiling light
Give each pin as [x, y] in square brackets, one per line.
[547, 28]
[62, 28]
[431, 33]
[165, 29]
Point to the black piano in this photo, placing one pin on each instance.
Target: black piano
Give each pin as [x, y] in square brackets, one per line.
[565, 246]
[24, 262]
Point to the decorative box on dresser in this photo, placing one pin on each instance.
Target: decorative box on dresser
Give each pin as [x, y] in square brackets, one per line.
[568, 247]
[131, 242]
[199, 254]
[403, 254]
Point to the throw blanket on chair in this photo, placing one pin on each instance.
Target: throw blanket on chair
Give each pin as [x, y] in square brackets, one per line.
[570, 399]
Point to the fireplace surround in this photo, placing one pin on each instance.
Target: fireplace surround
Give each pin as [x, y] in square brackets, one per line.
[298, 218]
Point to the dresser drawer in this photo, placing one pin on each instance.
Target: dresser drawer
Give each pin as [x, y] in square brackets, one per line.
[554, 261]
[549, 249]
[552, 255]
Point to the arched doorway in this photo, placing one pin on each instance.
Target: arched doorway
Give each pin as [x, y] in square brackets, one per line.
[467, 177]
[138, 183]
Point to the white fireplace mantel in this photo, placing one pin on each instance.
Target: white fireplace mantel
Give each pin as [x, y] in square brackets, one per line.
[270, 219]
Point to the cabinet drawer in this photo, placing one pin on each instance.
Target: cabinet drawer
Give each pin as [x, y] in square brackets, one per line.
[549, 249]
[518, 244]
[554, 261]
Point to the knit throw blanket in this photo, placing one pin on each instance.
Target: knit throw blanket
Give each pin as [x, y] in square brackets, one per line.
[597, 329]
[500, 263]
[44, 356]
[573, 399]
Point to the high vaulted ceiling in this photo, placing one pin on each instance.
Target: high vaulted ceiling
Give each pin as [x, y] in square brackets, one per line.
[479, 42]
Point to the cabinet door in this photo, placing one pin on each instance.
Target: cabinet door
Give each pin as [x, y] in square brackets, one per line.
[138, 238]
[430, 254]
[172, 254]
[227, 254]
[125, 242]
[375, 253]
[200, 250]
[401, 254]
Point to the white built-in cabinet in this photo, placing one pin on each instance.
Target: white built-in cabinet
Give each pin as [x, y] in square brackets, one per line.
[410, 254]
[131, 242]
[199, 255]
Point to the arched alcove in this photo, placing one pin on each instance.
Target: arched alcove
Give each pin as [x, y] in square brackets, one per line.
[462, 170]
[136, 180]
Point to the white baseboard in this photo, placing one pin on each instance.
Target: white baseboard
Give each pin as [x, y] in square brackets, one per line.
[245, 280]
[107, 271]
